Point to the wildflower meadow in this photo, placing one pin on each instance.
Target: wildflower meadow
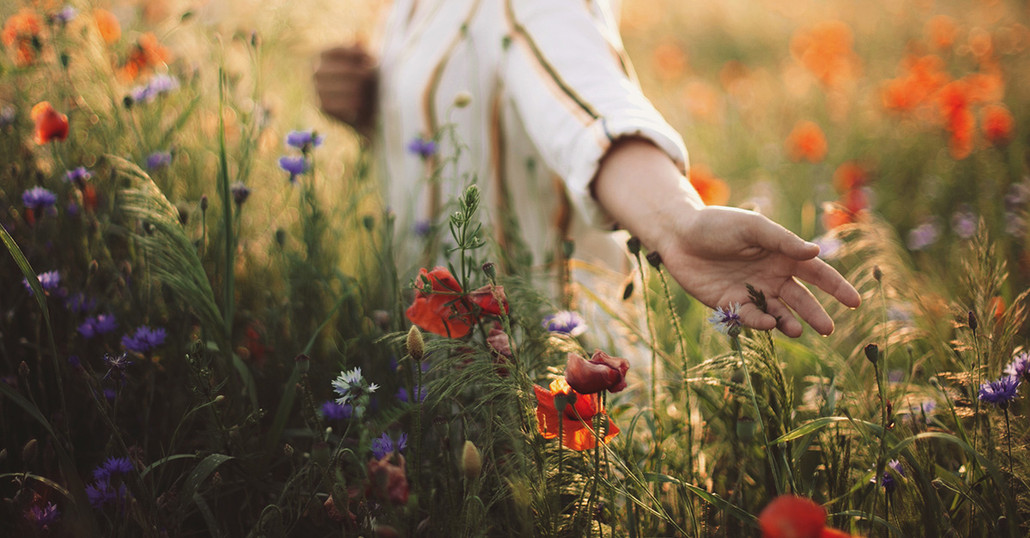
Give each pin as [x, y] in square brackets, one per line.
[203, 331]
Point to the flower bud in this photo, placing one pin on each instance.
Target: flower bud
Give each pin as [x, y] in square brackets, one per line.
[30, 450]
[462, 99]
[471, 461]
[872, 353]
[633, 245]
[655, 259]
[877, 273]
[415, 344]
[972, 321]
[490, 269]
[203, 203]
[303, 363]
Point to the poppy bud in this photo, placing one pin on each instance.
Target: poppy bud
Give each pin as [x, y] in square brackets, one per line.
[972, 321]
[490, 269]
[303, 363]
[471, 461]
[203, 203]
[601, 372]
[872, 352]
[415, 344]
[877, 273]
[633, 244]
[655, 259]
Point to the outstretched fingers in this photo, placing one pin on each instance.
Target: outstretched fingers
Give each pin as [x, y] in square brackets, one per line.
[823, 276]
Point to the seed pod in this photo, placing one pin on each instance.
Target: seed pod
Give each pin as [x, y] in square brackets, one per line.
[471, 461]
[416, 344]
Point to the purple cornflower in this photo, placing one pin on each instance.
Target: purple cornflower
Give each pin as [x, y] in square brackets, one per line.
[38, 198]
[1019, 367]
[726, 320]
[889, 482]
[157, 86]
[80, 303]
[144, 339]
[334, 411]
[924, 235]
[7, 115]
[565, 322]
[963, 222]
[240, 192]
[101, 492]
[48, 280]
[384, 445]
[424, 148]
[43, 517]
[113, 466]
[100, 324]
[1000, 392]
[294, 165]
[78, 175]
[304, 140]
[350, 385]
[159, 159]
[66, 15]
[404, 396]
[422, 227]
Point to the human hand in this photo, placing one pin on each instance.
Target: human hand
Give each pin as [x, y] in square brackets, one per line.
[715, 252]
[345, 81]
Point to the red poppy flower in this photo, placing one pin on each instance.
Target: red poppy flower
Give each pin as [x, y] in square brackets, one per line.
[21, 33]
[602, 372]
[713, 190]
[790, 516]
[108, 26]
[144, 57]
[445, 309]
[806, 142]
[50, 124]
[997, 124]
[576, 431]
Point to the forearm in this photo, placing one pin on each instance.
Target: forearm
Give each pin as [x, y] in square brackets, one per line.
[641, 188]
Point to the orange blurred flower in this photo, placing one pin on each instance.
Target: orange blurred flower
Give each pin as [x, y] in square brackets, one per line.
[21, 34]
[942, 31]
[145, 55]
[108, 26]
[997, 124]
[50, 124]
[575, 430]
[790, 516]
[849, 176]
[921, 77]
[669, 61]
[826, 51]
[806, 142]
[388, 481]
[713, 190]
[442, 307]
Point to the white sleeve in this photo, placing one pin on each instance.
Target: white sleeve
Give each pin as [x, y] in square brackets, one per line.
[565, 71]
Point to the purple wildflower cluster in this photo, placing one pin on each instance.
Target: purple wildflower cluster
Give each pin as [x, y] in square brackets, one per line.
[565, 322]
[924, 235]
[42, 517]
[38, 198]
[334, 411]
[405, 396]
[1019, 367]
[240, 192]
[108, 487]
[305, 141]
[727, 319]
[48, 280]
[888, 482]
[159, 159]
[144, 339]
[78, 176]
[384, 445]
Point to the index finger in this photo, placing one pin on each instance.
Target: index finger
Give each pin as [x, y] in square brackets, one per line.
[825, 277]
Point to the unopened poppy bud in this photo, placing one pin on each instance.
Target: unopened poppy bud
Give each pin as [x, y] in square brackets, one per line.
[369, 222]
[471, 461]
[633, 244]
[490, 269]
[654, 258]
[303, 363]
[203, 203]
[872, 353]
[877, 273]
[416, 344]
[29, 451]
[462, 99]
[972, 321]
[280, 236]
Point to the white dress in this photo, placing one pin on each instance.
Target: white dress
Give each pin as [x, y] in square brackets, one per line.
[551, 89]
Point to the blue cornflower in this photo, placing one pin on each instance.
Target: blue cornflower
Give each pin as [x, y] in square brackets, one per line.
[240, 192]
[100, 324]
[43, 517]
[48, 280]
[159, 159]
[112, 467]
[422, 227]
[38, 198]
[144, 339]
[78, 175]
[102, 492]
[424, 148]
[157, 86]
[964, 222]
[1000, 392]
[80, 303]
[565, 322]
[404, 396]
[66, 15]
[889, 482]
[304, 140]
[1019, 367]
[294, 165]
[384, 445]
[726, 320]
[924, 235]
[334, 411]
